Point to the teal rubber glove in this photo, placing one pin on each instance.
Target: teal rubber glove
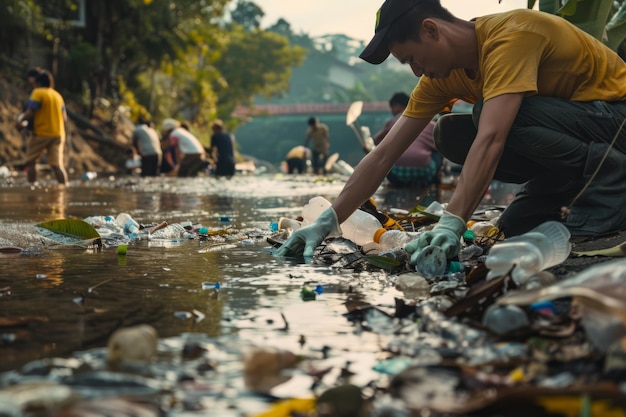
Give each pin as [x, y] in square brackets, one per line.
[304, 241]
[446, 234]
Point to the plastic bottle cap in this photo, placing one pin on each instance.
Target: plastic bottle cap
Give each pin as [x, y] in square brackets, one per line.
[378, 234]
[469, 235]
[470, 223]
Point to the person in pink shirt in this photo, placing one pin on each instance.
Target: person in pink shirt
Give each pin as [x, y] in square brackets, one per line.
[419, 164]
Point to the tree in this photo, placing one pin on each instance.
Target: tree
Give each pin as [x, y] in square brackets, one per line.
[19, 21]
[255, 63]
[248, 15]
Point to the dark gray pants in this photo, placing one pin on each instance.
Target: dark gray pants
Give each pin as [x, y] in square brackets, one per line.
[553, 148]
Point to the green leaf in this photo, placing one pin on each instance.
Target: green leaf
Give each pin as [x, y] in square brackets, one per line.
[589, 15]
[71, 227]
[383, 262]
[616, 28]
[569, 8]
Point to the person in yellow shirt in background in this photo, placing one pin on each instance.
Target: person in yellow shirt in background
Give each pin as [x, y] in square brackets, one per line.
[47, 107]
[550, 101]
[297, 158]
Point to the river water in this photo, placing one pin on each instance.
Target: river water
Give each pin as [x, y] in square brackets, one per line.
[60, 301]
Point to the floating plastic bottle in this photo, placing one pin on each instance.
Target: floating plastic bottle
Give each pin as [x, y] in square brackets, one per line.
[130, 226]
[544, 246]
[391, 239]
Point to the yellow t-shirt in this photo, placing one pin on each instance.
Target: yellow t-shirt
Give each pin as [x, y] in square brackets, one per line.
[49, 108]
[530, 52]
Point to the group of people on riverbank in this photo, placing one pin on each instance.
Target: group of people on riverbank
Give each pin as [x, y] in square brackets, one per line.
[417, 167]
[178, 152]
[175, 152]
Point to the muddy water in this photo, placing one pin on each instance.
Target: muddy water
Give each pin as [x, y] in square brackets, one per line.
[57, 301]
[68, 299]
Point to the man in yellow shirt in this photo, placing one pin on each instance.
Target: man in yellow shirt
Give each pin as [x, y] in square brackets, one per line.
[48, 107]
[550, 100]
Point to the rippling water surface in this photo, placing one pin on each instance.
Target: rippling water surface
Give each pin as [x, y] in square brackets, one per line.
[67, 300]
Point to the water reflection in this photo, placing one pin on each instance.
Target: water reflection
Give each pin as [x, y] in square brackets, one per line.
[87, 294]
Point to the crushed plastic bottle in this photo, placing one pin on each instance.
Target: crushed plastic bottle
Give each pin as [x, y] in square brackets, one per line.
[170, 231]
[470, 252]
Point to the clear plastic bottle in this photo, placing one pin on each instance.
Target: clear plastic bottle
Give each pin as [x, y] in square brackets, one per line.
[360, 227]
[390, 239]
[130, 226]
[544, 246]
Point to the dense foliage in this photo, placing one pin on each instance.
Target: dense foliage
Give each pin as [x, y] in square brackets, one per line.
[200, 59]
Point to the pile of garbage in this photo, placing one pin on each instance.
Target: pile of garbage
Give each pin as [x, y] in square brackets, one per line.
[492, 331]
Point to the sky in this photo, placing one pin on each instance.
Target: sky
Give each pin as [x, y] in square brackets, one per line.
[355, 18]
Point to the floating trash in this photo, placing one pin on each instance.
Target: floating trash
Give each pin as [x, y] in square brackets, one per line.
[211, 286]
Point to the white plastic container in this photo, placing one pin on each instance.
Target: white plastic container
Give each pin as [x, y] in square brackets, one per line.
[312, 210]
[360, 227]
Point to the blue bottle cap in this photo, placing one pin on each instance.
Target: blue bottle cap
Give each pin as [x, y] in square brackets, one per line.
[319, 289]
[203, 231]
[544, 306]
[274, 226]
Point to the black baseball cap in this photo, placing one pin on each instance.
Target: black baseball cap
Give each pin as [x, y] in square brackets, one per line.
[377, 50]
